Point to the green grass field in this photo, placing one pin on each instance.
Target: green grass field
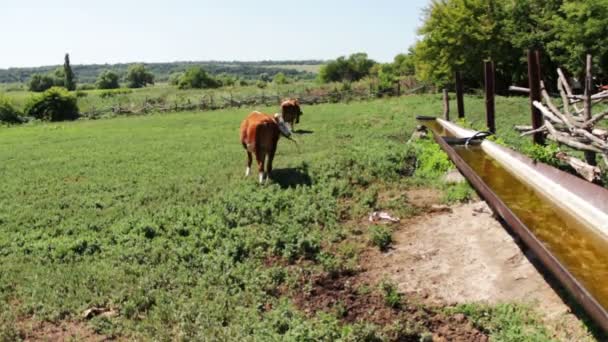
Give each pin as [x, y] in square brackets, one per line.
[151, 217]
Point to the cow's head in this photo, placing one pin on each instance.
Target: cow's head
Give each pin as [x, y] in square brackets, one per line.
[283, 126]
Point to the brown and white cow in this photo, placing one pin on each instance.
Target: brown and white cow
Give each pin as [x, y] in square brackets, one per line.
[290, 109]
[259, 135]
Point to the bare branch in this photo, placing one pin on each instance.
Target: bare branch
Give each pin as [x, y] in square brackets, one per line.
[546, 112]
[569, 141]
[534, 131]
[589, 172]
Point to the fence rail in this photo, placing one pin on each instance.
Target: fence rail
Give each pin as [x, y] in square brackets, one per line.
[210, 102]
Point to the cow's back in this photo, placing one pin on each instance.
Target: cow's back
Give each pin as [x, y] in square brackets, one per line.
[290, 109]
[259, 131]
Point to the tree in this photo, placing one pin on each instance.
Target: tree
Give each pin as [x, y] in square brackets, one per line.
[175, 77]
[581, 27]
[138, 76]
[357, 66]
[280, 78]
[58, 76]
[457, 35]
[404, 64]
[70, 82]
[107, 80]
[196, 77]
[39, 83]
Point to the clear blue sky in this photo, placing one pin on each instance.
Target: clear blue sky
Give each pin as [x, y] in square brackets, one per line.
[39, 32]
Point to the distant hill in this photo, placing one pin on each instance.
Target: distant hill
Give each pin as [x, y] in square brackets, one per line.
[87, 73]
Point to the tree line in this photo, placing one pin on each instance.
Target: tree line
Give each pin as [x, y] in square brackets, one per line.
[457, 35]
[89, 74]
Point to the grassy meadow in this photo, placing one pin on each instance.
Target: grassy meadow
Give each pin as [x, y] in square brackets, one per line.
[152, 219]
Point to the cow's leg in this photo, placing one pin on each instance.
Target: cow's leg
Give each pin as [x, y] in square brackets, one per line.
[270, 158]
[248, 169]
[259, 157]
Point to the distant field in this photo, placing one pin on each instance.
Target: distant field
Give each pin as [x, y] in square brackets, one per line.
[299, 67]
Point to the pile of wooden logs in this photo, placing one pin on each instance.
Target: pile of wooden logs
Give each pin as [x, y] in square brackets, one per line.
[573, 126]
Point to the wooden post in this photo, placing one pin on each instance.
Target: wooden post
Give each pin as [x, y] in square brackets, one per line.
[398, 88]
[589, 156]
[534, 85]
[489, 87]
[459, 95]
[446, 105]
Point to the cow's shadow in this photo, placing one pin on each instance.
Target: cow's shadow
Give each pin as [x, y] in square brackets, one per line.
[303, 131]
[291, 177]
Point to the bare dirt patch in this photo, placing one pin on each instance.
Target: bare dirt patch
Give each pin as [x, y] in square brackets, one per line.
[64, 331]
[464, 255]
[342, 296]
[424, 197]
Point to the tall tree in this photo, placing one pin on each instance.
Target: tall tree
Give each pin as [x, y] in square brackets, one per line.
[70, 82]
[457, 35]
[581, 27]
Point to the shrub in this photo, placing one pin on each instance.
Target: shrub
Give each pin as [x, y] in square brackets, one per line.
[138, 76]
[39, 83]
[8, 113]
[381, 237]
[55, 104]
[86, 86]
[261, 84]
[280, 78]
[175, 77]
[198, 78]
[392, 298]
[113, 92]
[107, 80]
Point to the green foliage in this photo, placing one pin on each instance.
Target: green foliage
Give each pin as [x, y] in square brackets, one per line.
[506, 322]
[280, 78]
[138, 76]
[40, 83]
[58, 77]
[459, 35]
[303, 70]
[86, 86]
[69, 81]
[381, 237]
[580, 27]
[261, 84]
[390, 293]
[175, 77]
[114, 92]
[119, 194]
[197, 78]
[544, 154]
[343, 69]
[54, 104]
[8, 112]
[459, 192]
[226, 80]
[107, 80]
[431, 161]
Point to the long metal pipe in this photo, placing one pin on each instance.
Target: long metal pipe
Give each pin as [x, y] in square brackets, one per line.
[538, 175]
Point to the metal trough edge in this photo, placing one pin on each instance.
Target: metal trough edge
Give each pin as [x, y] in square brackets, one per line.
[550, 262]
[564, 190]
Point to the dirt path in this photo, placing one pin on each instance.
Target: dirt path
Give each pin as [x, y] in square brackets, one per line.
[464, 255]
